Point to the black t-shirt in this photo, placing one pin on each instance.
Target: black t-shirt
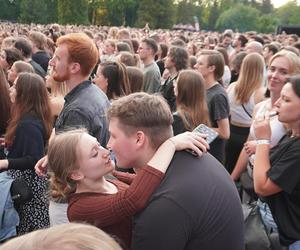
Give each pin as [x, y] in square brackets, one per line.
[195, 207]
[285, 172]
[218, 107]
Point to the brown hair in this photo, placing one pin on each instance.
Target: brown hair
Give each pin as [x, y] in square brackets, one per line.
[214, 58]
[295, 82]
[179, 57]
[73, 236]
[63, 160]
[136, 79]
[22, 66]
[129, 59]
[4, 102]
[117, 79]
[32, 98]
[191, 101]
[142, 111]
[39, 39]
[12, 55]
[250, 78]
[82, 50]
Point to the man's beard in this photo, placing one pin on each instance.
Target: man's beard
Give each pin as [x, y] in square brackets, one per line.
[61, 77]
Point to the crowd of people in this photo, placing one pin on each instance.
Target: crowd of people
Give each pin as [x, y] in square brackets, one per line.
[97, 122]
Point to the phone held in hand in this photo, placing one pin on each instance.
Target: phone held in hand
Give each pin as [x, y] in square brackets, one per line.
[211, 135]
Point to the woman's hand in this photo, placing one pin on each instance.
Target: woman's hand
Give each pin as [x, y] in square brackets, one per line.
[41, 166]
[189, 140]
[250, 147]
[3, 164]
[262, 128]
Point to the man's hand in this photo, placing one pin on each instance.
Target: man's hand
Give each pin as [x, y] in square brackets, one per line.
[41, 166]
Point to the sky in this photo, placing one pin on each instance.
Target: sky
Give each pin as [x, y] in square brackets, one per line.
[278, 3]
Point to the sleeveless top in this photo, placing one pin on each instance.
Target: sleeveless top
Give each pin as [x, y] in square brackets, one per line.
[277, 128]
[238, 114]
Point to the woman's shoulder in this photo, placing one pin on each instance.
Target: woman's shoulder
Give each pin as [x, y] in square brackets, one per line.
[29, 119]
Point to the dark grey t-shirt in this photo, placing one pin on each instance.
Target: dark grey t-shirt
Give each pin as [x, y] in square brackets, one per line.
[85, 107]
[218, 107]
[195, 207]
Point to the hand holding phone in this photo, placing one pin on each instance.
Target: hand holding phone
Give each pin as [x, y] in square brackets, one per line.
[211, 135]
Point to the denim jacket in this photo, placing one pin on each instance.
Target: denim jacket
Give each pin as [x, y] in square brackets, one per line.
[9, 217]
[85, 106]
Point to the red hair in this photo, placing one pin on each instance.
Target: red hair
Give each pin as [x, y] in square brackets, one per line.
[82, 50]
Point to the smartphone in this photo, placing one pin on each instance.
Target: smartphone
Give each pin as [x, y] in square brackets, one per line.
[211, 135]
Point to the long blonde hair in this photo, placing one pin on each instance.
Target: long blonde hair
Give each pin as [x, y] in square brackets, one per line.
[250, 78]
[63, 160]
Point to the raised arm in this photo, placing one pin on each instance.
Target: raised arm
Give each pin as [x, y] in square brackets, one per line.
[105, 210]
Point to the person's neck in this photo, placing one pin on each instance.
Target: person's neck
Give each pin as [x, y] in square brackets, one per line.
[210, 81]
[173, 72]
[274, 97]
[99, 186]
[148, 61]
[144, 158]
[75, 81]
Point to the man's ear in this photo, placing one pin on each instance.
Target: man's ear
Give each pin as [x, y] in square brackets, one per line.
[76, 175]
[140, 138]
[75, 67]
[212, 68]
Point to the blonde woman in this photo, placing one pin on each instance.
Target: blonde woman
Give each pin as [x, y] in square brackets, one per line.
[243, 95]
[58, 90]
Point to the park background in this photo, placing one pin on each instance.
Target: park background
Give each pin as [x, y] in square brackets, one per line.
[215, 15]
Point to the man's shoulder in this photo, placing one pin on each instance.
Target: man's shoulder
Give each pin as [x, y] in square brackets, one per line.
[91, 94]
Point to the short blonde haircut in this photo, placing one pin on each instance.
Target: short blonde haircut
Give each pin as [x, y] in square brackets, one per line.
[71, 236]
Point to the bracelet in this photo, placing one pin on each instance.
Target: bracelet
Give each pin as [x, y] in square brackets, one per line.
[263, 142]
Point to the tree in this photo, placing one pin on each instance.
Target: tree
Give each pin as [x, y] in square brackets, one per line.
[186, 10]
[72, 12]
[34, 11]
[242, 18]
[113, 12]
[213, 16]
[266, 7]
[267, 23]
[10, 10]
[289, 13]
[158, 13]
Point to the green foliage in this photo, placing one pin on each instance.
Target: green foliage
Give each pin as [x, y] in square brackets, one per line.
[158, 13]
[186, 10]
[33, 11]
[289, 13]
[267, 23]
[213, 16]
[72, 12]
[266, 7]
[240, 17]
[113, 12]
[218, 15]
[9, 10]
